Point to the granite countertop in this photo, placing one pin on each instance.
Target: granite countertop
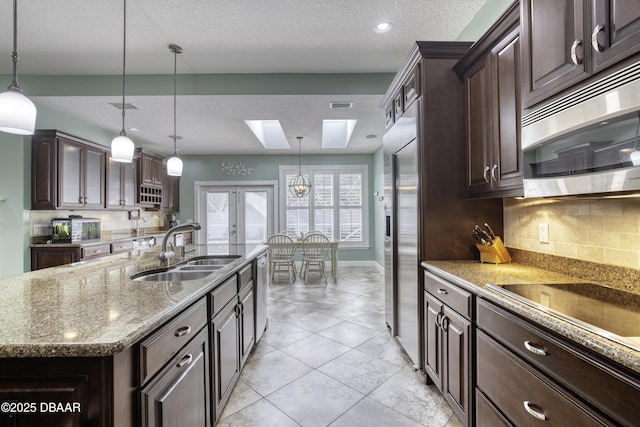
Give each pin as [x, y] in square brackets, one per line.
[475, 276]
[93, 308]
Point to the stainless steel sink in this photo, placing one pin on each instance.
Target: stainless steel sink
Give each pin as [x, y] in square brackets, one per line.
[172, 275]
[200, 267]
[609, 312]
[219, 260]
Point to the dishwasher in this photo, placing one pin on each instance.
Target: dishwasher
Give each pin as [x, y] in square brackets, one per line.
[262, 282]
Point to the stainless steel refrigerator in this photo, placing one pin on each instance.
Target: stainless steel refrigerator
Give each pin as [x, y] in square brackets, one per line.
[401, 198]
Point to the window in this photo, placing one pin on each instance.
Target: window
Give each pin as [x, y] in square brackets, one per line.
[336, 206]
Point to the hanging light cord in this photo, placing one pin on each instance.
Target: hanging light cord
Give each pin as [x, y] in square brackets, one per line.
[299, 157]
[124, 63]
[14, 56]
[175, 71]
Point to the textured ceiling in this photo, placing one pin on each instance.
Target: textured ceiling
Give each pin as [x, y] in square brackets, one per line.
[244, 36]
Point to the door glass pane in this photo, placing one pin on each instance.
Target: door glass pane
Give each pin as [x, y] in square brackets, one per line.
[129, 183]
[255, 216]
[70, 174]
[218, 217]
[94, 172]
[113, 197]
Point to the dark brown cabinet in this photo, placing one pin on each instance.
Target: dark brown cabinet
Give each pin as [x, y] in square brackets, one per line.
[43, 257]
[150, 177]
[247, 322]
[226, 353]
[67, 172]
[447, 336]
[565, 42]
[549, 377]
[121, 185]
[171, 193]
[179, 395]
[491, 73]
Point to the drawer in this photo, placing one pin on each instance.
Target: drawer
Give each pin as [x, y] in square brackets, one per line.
[95, 251]
[222, 294]
[246, 275]
[487, 414]
[521, 394]
[616, 394]
[121, 247]
[166, 342]
[456, 298]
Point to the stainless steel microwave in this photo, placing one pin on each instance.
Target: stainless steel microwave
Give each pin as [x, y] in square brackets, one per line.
[586, 142]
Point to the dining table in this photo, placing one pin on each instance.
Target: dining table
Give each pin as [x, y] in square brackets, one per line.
[333, 255]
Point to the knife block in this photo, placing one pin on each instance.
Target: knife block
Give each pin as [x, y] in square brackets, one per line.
[495, 253]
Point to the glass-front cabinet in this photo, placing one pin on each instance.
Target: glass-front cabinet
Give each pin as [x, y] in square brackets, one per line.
[81, 183]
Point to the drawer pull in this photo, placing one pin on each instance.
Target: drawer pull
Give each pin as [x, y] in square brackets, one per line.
[534, 348]
[185, 330]
[185, 360]
[529, 407]
[442, 291]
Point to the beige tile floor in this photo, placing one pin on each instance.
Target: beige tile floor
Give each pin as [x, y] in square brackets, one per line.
[327, 359]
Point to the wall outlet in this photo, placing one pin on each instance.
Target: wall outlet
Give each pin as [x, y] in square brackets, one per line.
[543, 233]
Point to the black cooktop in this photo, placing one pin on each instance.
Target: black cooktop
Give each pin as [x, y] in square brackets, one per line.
[610, 312]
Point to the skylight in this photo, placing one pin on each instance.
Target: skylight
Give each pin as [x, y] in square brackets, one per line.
[270, 133]
[336, 133]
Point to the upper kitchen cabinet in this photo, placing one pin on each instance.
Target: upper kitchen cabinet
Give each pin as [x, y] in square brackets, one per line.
[491, 73]
[567, 41]
[121, 184]
[67, 172]
[170, 193]
[150, 177]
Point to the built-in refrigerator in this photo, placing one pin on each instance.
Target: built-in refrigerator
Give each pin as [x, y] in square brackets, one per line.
[401, 235]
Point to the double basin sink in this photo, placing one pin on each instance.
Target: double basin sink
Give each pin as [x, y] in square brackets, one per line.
[194, 269]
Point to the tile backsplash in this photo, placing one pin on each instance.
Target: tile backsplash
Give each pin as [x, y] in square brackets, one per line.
[605, 231]
[110, 221]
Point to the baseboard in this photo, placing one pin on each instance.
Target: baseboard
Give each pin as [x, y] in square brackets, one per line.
[370, 263]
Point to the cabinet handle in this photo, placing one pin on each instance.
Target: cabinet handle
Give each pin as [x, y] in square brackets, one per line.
[529, 407]
[237, 310]
[185, 330]
[494, 172]
[85, 200]
[444, 323]
[442, 291]
[185, 360]
[80, 201]
[594, 38]
[98, 251]
[485, 174]
[534, 348]
[574, 56]
[439, 319]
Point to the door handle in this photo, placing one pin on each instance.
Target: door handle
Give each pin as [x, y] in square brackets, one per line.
[185, 360]
[594, 38]
[574, 55]
[485, 174]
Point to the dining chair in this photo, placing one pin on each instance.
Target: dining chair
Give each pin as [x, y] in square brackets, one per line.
[315, 252]
[282, 256]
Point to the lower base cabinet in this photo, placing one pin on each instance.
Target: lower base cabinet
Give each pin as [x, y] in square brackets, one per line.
[226, 354]
[179, 396]
[53, 256]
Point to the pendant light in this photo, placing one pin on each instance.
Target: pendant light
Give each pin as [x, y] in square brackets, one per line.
[635, 155]
[122, 147]
[300, 185]
[17, 112]
[174, 164]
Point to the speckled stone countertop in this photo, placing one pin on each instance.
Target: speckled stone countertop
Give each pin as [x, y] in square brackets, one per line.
[474, 276]
[93, 308]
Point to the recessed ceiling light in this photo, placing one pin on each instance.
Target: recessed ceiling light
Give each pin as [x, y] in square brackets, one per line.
[269, 132]
[383, 27]
[371, 136]
[336, 133]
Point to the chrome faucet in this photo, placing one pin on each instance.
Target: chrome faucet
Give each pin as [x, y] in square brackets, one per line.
[166, 255]
[138, 218]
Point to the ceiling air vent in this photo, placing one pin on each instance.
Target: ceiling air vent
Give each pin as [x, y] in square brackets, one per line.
[341, 104]
[127, 106]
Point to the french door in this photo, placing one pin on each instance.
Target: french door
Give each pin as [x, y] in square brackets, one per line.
[235, 214]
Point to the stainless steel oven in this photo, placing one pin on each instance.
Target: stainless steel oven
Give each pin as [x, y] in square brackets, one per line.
[586, 142]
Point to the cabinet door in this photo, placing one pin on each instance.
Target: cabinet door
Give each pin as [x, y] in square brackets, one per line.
[93, 178]
[114, 184]
[506, 163]
[70, 175]
[457, 362]
[556, 50]
[432, 339]
[478, 102]
[129, 184]
[247, 320]
[615, 31]
[226, 357]
[43, 173]
[179, 396]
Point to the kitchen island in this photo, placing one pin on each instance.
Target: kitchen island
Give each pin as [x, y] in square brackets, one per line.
[513, 361]
[98, 346]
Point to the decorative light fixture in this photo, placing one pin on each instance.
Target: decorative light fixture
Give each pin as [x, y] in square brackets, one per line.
[383, 27]
[174, 164]
[17, 112]
[121, 146]
[300, 185]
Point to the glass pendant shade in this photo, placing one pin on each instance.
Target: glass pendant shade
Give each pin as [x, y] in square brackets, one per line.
[17, 113]
[174, 166]
[300, 185]
[635, 158]
[122, 149]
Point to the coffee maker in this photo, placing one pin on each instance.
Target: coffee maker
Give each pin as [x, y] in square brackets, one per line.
[170, 221]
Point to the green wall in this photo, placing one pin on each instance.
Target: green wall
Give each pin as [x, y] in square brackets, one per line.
[208, 168]
[483, 19]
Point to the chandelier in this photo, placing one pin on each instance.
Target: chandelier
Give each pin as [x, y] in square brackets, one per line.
[300, 185]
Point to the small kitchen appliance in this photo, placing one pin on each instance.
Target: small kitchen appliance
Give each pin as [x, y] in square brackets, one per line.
[75, 229]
